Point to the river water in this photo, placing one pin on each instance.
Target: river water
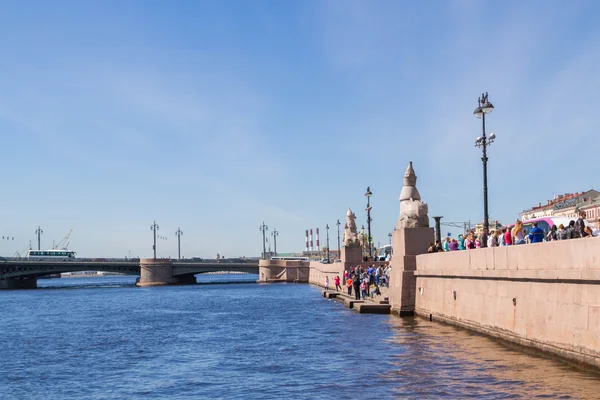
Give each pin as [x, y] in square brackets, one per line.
[104, 338]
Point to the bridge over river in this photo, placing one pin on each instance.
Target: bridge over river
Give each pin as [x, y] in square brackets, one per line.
[21, 273]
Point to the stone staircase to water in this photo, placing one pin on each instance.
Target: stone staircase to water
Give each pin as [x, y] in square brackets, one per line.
[379, 305]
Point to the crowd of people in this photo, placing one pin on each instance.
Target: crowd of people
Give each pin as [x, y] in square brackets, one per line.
[367, 282]
[515, 235]
[363, 282]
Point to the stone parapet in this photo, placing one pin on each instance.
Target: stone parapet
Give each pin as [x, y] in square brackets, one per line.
[579, 255]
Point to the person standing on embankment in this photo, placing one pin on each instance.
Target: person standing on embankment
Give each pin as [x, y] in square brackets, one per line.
[356, 284]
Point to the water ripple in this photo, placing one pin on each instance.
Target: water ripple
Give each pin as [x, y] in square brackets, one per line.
[80, 340]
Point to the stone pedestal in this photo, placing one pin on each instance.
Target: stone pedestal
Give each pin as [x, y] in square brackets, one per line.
[156, 272]
[407, 243]
[351, 257]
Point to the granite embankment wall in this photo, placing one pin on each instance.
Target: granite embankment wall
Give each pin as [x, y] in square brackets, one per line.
[544, 295]
[319, 271]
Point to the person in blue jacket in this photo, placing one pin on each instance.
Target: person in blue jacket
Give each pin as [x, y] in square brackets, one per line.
[536, 235]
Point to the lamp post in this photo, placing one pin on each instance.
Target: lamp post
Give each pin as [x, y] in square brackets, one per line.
[263, 228]
[38, 232]
[327, 229]
[154, 228]
[275, 234]
[390, 236]
[338, 223]
[484, 107]
[179, 233]
[368, 196]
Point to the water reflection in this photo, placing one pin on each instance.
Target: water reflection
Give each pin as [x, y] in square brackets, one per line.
[439, 360]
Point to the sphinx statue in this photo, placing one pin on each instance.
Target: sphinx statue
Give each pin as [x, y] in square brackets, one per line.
[350, 235]
[413, 212]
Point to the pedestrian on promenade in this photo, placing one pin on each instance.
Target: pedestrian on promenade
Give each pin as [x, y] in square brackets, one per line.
[571, 233]
[363, 289]
[483, 242]
[326, 283]
[596, 230]
[349, 284]
[375, 292]
[470, 242]
[501, 234]
[336, 280]
[447, 243]
[493, 242]
[367, 282]
[508, 236]
[552, 235]
[461, 242]
[518, 233]
[561, 233]
[453, 246]
[580, 225]
[356, 284]
[438, 246]
[536, 235]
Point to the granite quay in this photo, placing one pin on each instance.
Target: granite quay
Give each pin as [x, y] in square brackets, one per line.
[545, 296]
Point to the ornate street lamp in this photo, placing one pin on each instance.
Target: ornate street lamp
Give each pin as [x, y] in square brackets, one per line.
[275, 233]
[154, 228]
[327, 229]
[38, 232]
[338, 223]
[368, 196]
[263, 228]
[178, 233]
[484, 107]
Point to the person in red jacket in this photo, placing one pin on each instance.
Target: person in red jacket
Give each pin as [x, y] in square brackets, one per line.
[336, 280]
[508, 237]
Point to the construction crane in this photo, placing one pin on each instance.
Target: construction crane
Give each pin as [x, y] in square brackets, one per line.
[24, 252]
[63, 244]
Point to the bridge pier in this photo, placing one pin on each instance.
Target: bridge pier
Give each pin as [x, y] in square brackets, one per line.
[30, 283]
[156, 272]
[271, 271]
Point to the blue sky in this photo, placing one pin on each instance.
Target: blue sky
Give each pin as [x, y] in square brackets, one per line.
[214, 116]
